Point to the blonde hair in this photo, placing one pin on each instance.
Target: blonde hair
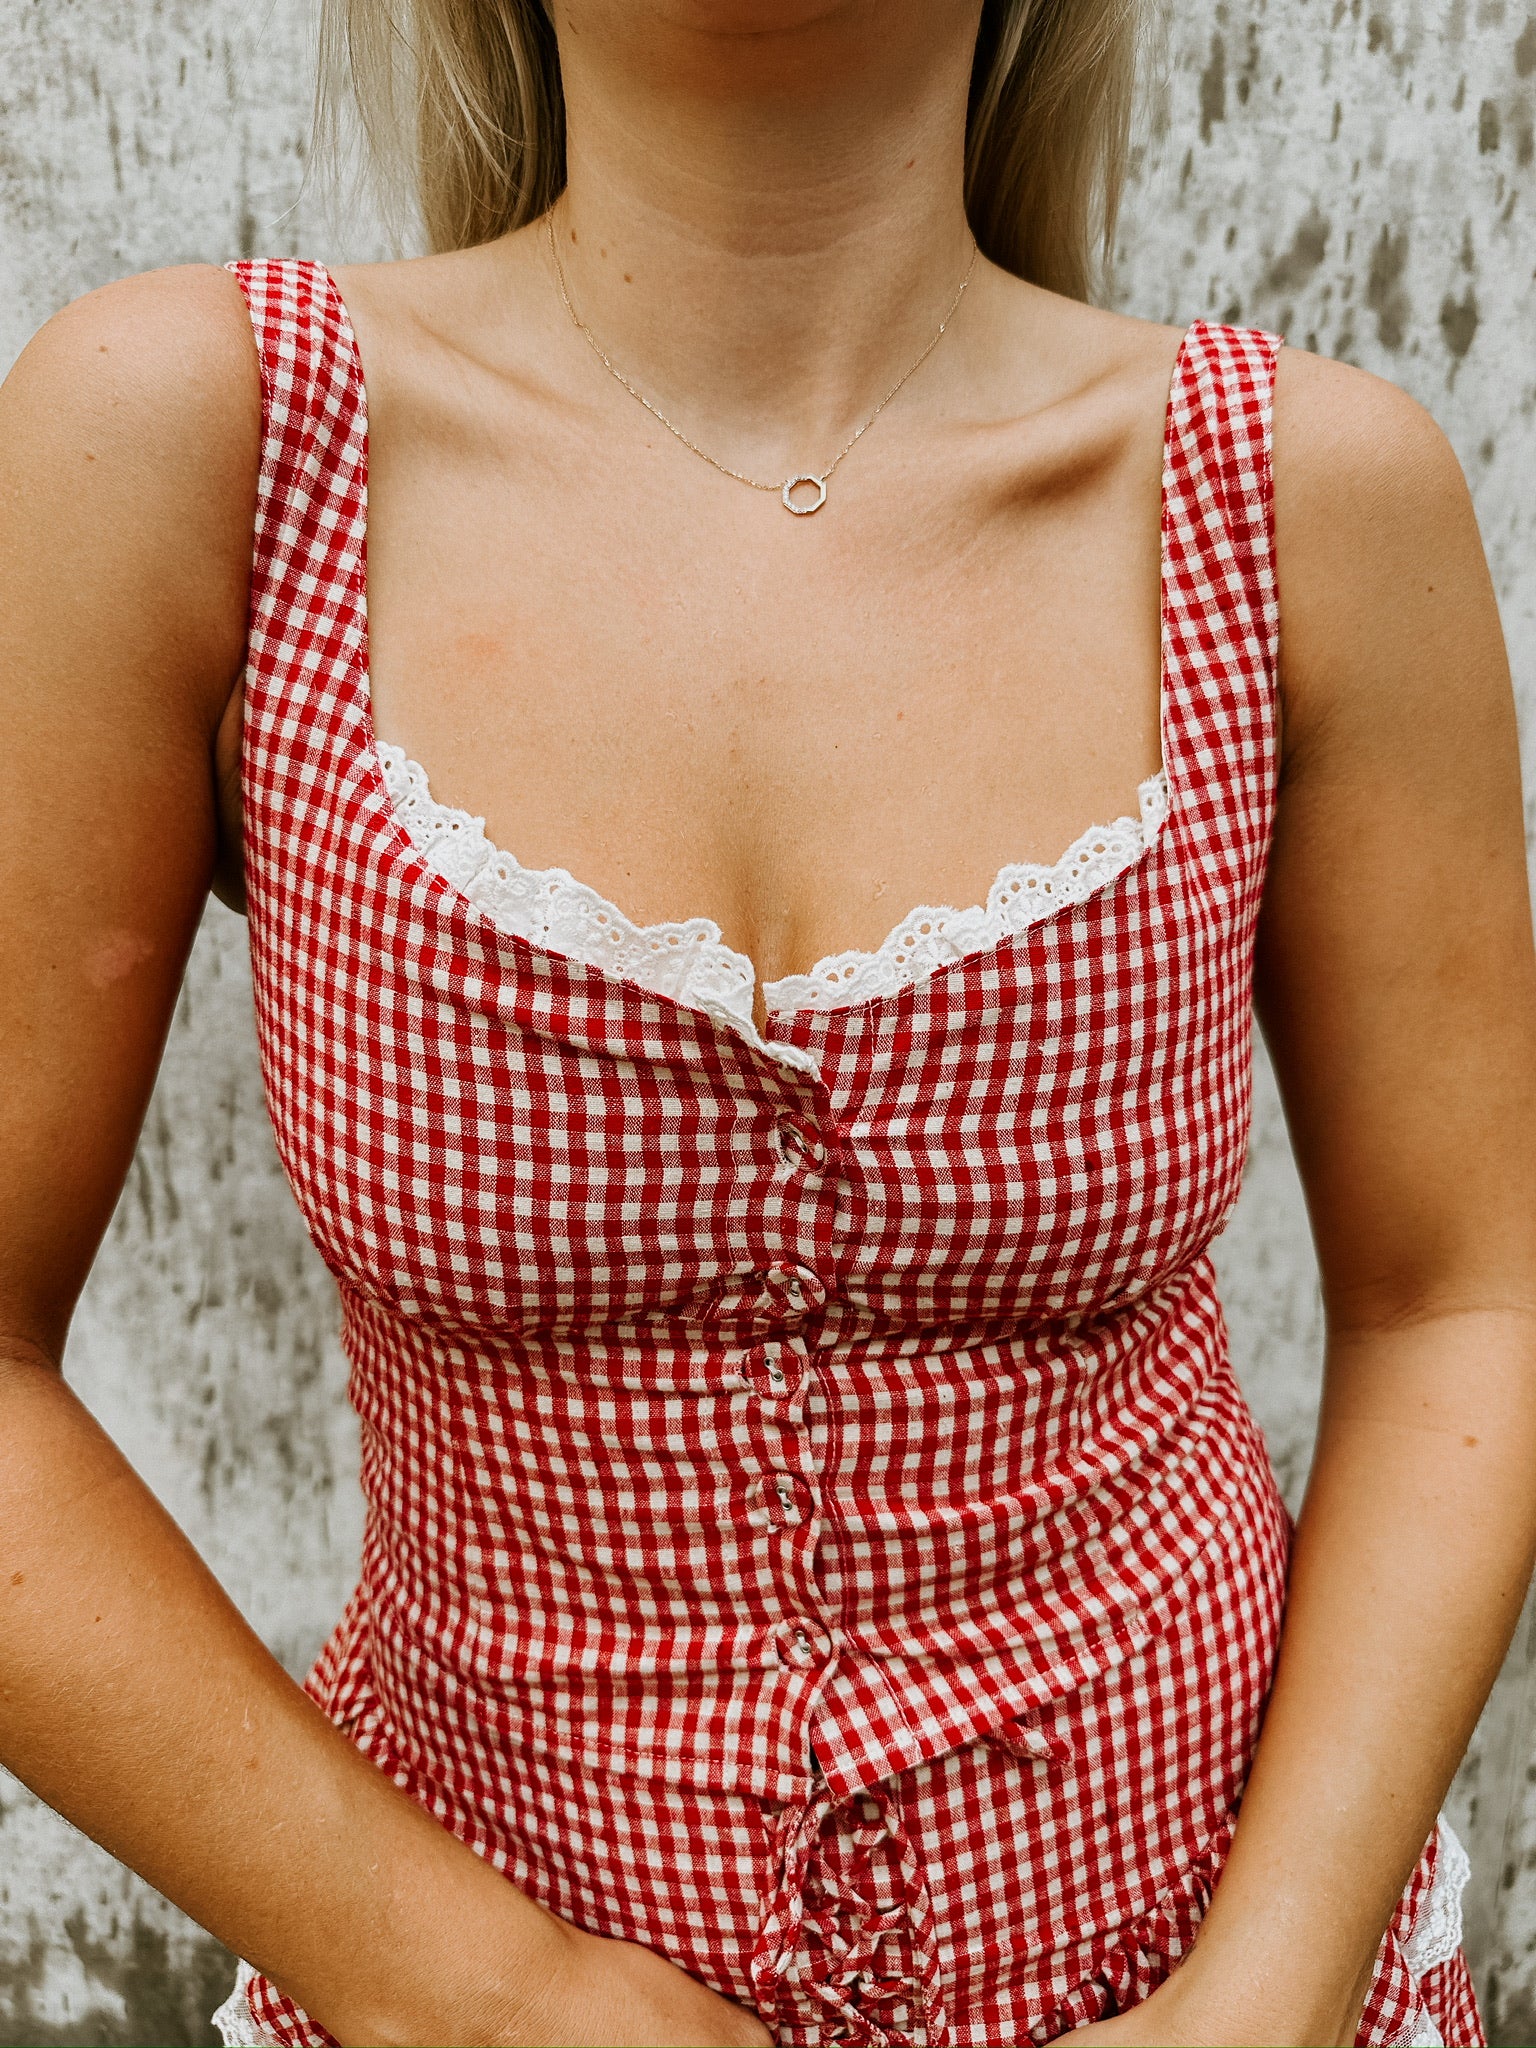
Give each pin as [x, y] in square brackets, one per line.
[463, 114]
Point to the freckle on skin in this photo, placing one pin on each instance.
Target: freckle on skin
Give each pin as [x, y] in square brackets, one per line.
[1469, 1441]
[116, 955]
[17, 1577]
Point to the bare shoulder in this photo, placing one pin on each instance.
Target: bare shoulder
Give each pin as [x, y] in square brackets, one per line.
[1080, 392]
[130, 432]
[165, 359]
[1387, 608]
[129, 446]
[1349, 442]
[160, 326]
[1122, 342]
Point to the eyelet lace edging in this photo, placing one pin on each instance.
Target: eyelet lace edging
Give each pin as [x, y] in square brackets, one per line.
[691, 963]
[1436, 1934]
[235, 2021]
[1023, 894]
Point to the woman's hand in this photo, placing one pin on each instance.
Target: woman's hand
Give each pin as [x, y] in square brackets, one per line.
[1132, 2028]
[502, 1971]
[617, 1994]
[1160, 2021]
[1212, 2007]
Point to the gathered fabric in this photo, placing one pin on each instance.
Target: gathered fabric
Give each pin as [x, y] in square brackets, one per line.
[813, 1525]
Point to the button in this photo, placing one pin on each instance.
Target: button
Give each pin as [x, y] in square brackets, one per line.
[796, 1287]
[776, 1371]
[798, 1143]
[794, 1496]
[779, 1500]
[801, 1644]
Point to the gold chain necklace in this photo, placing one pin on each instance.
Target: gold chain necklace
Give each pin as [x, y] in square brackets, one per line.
[816, 481]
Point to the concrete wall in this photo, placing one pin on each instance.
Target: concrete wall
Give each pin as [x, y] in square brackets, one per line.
[1361, 178]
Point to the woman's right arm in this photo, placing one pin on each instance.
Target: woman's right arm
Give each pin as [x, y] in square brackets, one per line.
[133, 1698]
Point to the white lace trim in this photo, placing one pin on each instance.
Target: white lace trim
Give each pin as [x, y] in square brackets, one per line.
[1022, 895]
[1436, 1934]
[235, 2020]
[691, 963]
[688, 962]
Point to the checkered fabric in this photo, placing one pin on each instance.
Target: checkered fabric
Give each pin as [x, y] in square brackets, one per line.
[813, 1526]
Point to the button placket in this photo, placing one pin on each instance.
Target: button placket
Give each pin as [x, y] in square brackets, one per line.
[782, 1495]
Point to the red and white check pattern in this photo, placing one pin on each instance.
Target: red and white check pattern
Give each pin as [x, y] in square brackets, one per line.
[812, 1523]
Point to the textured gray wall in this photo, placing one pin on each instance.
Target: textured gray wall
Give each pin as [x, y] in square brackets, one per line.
[1361, 179]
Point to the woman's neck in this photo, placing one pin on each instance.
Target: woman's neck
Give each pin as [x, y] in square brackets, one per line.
[764, 220]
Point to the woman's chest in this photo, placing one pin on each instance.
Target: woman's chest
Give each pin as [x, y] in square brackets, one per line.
[507, 1138]
[799, 728]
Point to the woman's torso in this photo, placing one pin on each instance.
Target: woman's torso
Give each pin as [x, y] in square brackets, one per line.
[754, 1406]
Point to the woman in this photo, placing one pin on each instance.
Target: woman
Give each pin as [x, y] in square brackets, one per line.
[822, 1581]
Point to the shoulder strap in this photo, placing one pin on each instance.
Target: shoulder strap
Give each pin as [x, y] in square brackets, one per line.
[305, 699]
[310, 503]
[1220, 603]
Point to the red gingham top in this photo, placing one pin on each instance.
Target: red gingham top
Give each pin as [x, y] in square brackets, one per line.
[751, 1427]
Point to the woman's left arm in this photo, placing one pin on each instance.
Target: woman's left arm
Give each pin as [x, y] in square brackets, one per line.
[1397, 990]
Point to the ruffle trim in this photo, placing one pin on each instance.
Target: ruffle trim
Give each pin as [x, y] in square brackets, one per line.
[690, 961]
[234, 2020]
[1436, 1932]
[1023, 894]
